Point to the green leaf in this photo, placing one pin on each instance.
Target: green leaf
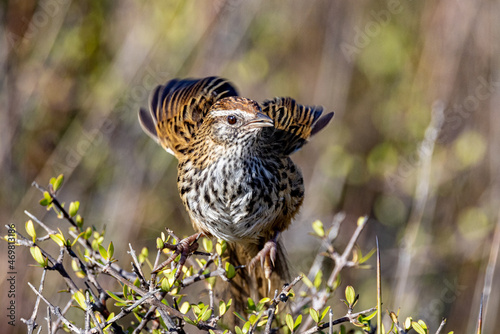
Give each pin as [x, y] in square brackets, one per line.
[115, 297]
[57, 183]
[75, 266]
[58, 239]
[185, 307]
[314, 314]
[76, 239]
[230, 271]
[350, 295]
[111, 250]
[143, 255]
[80, 299]
[262, 303]
[264, 300]
[207, 244]
[73, 208]
[47, 196]
[418, 328]
[289, 321]
[197, 308]
[407, 324]
[318, 228]
[88, 233]
[297, 323]
[423, 324]
[189, 321]
[324, 313]
[246, 327]
[79, 221]
[239, 316]
[251, 304]
[253, 319]
[103, 252]
[165, 286]
[317, 279]
[238, 330]
[367, 256]
[159, 243]
[44, 202]
[370, 316]
[31, 229]
[37, 255]
[222, 308]
[206, 314]
[220, 247]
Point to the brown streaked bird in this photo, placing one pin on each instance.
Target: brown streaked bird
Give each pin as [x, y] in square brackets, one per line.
[235, 176]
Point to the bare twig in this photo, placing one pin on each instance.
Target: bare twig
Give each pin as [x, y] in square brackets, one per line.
[347, 318]
[31, 321]
[57, 311]
[326, 243]
[441, 326]
[426, 150]
[89, 313]
[479, 329]
[379, 291]
[319, 298]
[137, 266]
[281, 297]
[145, 320]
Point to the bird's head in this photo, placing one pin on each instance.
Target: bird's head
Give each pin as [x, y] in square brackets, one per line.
[233, 120]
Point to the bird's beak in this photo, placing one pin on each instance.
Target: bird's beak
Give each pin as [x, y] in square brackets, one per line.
[260, 121]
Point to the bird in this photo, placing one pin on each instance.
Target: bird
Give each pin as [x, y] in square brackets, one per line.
[235, 175]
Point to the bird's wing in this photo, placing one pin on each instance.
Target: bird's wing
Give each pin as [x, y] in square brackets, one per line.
[177, 109]
[294, 123]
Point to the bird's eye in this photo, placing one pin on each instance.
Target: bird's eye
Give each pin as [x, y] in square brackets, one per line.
[231, 119]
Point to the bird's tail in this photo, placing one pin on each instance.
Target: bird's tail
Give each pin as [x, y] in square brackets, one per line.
[252, 283]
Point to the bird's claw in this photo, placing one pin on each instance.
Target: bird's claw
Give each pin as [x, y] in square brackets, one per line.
[267, 257]
[183, 248]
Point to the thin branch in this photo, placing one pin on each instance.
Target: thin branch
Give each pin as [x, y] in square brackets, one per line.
[129, 309]
[57, 311]
[320, 298]
[341, 261]
[137, 266]
[441, 326]
[31, 321]
[422, 190]
[56, 202]
[379, 290]
[347, 318]
[49, 320]
[145, 320]
[326, 244]
[57, 322]
[89, 311]
[281, 297]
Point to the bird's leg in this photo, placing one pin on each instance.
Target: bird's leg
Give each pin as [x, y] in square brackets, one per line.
[184, 247]
[266, 256]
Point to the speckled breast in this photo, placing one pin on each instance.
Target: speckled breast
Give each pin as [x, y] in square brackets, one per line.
[242, 199]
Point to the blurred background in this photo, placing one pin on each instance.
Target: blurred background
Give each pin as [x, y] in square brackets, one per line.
[414, 144]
